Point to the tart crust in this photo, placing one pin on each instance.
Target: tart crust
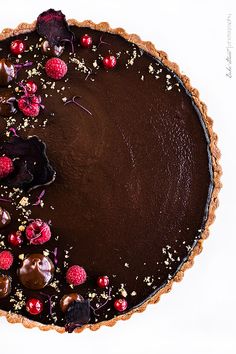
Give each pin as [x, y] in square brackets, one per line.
[215, 155]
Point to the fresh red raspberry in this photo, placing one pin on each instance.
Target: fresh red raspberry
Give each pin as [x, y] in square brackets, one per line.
[29, 105]
[6, 166]
[56, 68]
[38, 232]
[76, 275]
[34, 306]
[6, 260]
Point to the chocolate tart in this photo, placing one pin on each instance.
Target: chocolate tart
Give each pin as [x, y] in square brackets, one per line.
[131, 182]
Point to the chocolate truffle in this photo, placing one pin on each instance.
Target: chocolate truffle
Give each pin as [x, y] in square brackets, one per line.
[5, 285]
[7, 72]
[36, 271]
[55, 50]
[5, 218]
[67, 299]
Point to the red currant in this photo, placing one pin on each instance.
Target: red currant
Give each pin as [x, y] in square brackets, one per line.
[17, 47]
[86, 41]
[15, 239]
[34, 306]
[120, 305]
[103, 281]
[109, 62]
[31, 86]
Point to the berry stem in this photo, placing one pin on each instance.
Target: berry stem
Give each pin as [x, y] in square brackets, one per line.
[49, 301]
[55, 255]
[5, 200]
[89, 73]
[73, 100]
[102, 305]
[102, 42]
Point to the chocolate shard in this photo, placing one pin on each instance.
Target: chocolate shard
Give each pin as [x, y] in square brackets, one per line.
[31, 165]
[20, 177]
[52, 25]
[77, 315]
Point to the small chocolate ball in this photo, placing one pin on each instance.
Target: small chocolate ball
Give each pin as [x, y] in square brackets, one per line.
[36, 271]
[7, 72]
[5, 218]
[6, 103]
[52, 51]
[5, 285]
[66, 300]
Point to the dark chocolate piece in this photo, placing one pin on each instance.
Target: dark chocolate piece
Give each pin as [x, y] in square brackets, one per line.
[52, 25]
[7, 72]
[36, 271]
[77, 315]
[5, 286]
[5, 218]
[31, 165]
[53, 50]
[67, 299]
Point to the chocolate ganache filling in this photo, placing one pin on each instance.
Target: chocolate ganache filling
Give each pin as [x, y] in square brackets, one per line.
[133, 185]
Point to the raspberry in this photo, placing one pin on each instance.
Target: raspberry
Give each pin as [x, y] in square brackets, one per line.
[6, 166]
[76, 275]
[38, 232]
[6, 260]
[56, 68]
[29, 105]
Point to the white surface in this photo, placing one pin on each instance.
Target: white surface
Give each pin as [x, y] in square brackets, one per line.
[199, 314]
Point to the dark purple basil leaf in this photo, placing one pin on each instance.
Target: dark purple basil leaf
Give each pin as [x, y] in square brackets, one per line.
[77, 315]
[52, 25]
[30, 159]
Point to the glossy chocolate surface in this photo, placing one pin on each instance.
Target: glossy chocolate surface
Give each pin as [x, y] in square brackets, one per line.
[7, 72]
[5, 286]
[134, 179]
[68, 299]
[5, 218]
[36, 271]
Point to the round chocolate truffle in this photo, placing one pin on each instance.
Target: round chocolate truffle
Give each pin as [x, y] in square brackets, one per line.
[7, 72]
[5, 218]
[36, 271]
[67, 299]
[52, 50]
[5, 285]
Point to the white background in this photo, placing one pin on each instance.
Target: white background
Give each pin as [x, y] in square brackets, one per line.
[199, 315]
